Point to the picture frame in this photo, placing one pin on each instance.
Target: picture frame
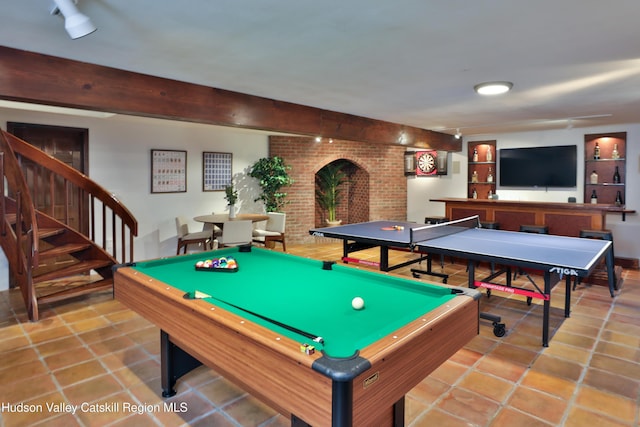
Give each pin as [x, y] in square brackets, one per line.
[217, 170]
[168, 171]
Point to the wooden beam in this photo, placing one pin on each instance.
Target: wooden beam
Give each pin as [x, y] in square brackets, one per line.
[42, 79]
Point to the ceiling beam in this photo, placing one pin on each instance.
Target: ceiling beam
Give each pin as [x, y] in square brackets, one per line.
[43, 79]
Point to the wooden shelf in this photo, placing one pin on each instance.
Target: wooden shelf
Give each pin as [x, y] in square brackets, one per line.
[482, 167]
[605, 166]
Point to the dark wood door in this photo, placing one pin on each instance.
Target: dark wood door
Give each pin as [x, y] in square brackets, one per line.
[69, 145]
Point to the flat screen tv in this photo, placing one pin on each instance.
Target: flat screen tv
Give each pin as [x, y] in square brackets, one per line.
[554, 166]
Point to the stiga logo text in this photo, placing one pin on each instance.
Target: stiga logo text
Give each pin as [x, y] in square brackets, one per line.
[561, 271]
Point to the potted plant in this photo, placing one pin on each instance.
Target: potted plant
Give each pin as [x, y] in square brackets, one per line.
[231, 195]
[328, 191]
[272, 174]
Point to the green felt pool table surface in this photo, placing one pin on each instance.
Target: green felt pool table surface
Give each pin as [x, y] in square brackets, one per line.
[298, 292]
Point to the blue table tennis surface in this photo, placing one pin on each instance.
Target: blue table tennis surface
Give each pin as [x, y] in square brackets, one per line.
[499, 245]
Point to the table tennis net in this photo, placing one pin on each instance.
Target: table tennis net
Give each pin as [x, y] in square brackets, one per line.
[433, 231]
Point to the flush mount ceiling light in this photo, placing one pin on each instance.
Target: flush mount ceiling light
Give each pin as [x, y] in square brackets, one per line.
[76, 24]
[493, 88]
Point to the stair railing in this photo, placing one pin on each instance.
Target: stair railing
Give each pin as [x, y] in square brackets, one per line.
[108, 217]
[21, 245]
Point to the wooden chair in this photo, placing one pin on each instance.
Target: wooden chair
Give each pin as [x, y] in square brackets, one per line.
[185, 238]
[273, 231]
[236, 233]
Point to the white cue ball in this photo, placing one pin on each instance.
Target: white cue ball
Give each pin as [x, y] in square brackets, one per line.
[357, 303]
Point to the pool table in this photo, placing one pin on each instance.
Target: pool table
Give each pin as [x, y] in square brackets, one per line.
[283, 328]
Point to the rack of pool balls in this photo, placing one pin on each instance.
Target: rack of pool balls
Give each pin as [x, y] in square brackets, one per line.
[226, 264]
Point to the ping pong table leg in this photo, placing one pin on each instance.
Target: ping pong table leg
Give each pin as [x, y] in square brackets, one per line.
[611, 272]
[547, 305]
[567, 296]
[384, 258]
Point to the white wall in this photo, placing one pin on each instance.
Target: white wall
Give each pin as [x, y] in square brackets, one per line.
[119, 160]
[626, 234]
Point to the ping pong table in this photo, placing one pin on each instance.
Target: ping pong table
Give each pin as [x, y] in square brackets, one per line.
[556, 257]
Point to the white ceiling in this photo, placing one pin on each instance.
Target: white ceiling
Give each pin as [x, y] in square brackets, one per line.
[412, 62]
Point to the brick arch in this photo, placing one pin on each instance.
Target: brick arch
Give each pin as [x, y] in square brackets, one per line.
[380, 166]
[354, 206]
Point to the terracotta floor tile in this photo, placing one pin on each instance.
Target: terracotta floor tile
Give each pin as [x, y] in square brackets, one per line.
[248, 411]
[138, 372]
[616, 366]
[220, 392]
[610, 405]
[607, 381]
[217, 419]
[61, 360]
[568, 352]
[429, 390]
[106, 411]
[487, 385]
[580, 417]
[469, 406]
[62, 345]
[123, 358]
[35, 411]
[96, 388]
[28, 388]
[22, 371]
[18, 357]
[80, 372]
[515, 354]
[556, 386]
[500, 367]
[558, 367]
[449, 372]
[437, 417]
[117, 343]
[539, 404]
[510, 418]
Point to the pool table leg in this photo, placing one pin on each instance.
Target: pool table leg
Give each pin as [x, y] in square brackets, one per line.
[174, 363]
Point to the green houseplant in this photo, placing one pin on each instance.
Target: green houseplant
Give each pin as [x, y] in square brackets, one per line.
[272, 174]
[231, 195]
[329, 179]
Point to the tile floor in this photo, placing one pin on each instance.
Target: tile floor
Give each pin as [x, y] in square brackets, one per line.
[96, 353]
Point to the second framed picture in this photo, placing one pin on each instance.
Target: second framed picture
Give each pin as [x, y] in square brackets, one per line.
[216, 170]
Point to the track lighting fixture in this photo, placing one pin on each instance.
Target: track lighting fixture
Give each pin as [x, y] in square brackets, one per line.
[76, 24]
[458, 134]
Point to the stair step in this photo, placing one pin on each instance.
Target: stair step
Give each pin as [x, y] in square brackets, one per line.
[64, 250]
[11, 218]
[71, 270]
[86, 288]
[43, 233]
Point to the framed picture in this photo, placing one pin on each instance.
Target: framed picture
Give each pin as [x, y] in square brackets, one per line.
[168, 171]
[216, 171]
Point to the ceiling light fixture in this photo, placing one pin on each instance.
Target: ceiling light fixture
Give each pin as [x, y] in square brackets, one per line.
[458, 134]
[493, 88]
[76, 24]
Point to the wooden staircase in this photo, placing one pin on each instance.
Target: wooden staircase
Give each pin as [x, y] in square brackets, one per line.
[48, 260]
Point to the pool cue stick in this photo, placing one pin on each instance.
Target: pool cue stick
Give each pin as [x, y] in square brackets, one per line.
[311, 336]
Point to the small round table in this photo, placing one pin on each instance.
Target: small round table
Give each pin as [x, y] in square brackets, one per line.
[220, 219]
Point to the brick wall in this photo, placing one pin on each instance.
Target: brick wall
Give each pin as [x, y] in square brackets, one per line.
[378, 188]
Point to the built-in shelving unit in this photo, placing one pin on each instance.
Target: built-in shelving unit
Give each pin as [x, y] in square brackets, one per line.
[604, 155]
[482, 173]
